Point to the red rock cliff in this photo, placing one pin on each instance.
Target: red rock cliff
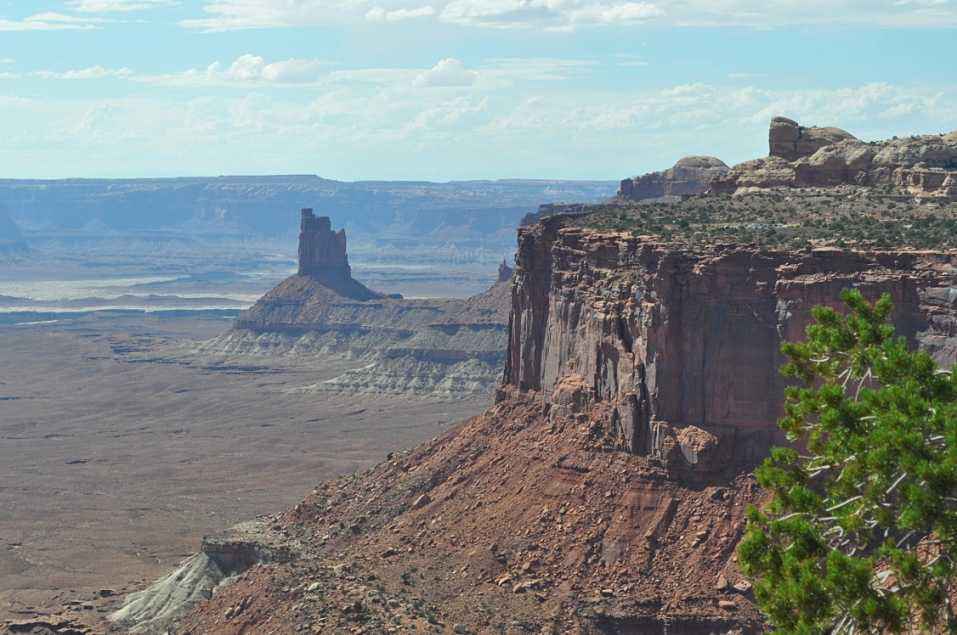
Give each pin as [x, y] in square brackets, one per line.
[663, 339]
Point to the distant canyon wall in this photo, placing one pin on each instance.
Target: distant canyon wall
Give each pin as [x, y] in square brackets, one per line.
[249, 207]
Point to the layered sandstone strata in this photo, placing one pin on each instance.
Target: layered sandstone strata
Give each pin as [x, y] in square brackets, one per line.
[690, 175]
[799, 157]
[656, 340]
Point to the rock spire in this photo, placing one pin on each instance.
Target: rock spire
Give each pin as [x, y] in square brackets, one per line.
[322, 252]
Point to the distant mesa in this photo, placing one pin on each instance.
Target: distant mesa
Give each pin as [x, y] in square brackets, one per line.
[689, 176]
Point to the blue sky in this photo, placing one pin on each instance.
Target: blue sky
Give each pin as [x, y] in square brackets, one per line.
[452, 89]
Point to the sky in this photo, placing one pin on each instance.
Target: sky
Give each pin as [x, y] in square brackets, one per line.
[454, 89]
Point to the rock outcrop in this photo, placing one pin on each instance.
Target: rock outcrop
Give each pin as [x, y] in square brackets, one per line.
[323, 258]
[791, 141]
[916, 166]
[449, 348]
[153, 609]
[321, 252]
[690, 175]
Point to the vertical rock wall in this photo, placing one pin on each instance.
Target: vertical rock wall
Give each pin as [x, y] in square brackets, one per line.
[658, 340]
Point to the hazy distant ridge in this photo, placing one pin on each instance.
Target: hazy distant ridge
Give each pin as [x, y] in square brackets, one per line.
[258, 206]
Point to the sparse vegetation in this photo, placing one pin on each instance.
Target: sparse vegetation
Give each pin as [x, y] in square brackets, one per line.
[778, 220]
[861, 532]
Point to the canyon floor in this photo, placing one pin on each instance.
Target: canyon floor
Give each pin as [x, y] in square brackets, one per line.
[115, 459]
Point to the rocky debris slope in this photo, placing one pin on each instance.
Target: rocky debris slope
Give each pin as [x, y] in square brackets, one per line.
[449, 347]
[153, 609]
[605, 490]
[690, 175]
[511, 524]
[921, 166]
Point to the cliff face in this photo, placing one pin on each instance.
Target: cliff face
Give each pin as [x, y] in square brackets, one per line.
[799, 157]
[655, 341]
[690, 175]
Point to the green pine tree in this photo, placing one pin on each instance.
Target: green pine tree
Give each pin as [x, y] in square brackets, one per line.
[861, 530]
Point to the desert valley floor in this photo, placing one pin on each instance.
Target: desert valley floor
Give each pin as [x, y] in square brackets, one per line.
[117, 456]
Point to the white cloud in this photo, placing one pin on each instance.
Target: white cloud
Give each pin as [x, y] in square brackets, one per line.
[246, 69]
[378, 14]
[7, 60]
[118, 6]
[229, 15]
[447, 72]
[398, 130]
[686, 110]
[623, 13]
[51, 21]
[223, 15]
[92, 72]
[783, 13]
[539, 69]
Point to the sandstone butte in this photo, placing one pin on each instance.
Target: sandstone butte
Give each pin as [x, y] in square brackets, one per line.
[444, 347]
[605, 489]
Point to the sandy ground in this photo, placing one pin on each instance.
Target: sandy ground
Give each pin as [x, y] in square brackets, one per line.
[113, 468]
